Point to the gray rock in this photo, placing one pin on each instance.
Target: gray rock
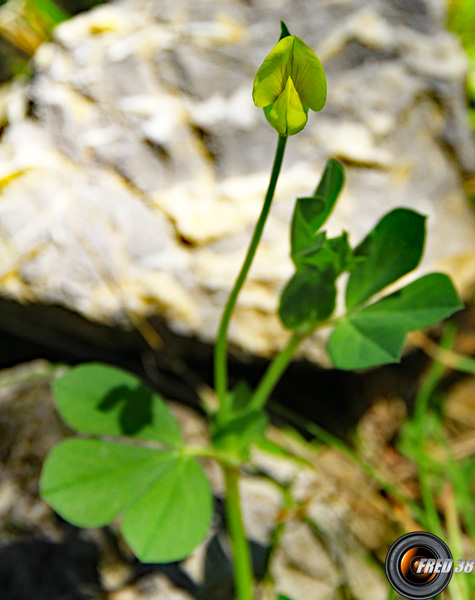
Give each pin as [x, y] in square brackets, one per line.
[300, 549]
[151, 587]
[132, 186]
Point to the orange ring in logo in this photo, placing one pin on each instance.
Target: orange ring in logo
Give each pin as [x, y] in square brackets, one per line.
[410, 563]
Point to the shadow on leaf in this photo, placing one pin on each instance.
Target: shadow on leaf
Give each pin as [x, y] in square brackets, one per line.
[136, 409]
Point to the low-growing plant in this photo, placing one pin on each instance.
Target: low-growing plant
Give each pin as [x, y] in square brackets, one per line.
[135, 464]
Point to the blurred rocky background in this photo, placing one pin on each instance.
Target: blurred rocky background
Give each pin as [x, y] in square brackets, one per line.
[133, 165]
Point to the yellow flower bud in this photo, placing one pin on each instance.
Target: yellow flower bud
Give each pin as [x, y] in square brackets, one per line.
[289, 82]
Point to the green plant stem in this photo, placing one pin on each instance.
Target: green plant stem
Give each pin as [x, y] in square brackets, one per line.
[223, 458]
[460, 590]
[433, 377]
[448, 358]
[243, 575]
[281, 362]
[275, 370]
[220, 359]
[432, 516]
[421, 408]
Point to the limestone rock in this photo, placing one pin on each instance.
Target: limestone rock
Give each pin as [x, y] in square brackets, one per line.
[131, 185]
[151, 587]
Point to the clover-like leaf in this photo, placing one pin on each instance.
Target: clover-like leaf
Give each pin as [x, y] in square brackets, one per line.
[312, 212]
[308, 298]
[375, 335]
[91, 482]
[98, 399]
[329, 187]
[173, 517]
[391, 250]
[164, 498]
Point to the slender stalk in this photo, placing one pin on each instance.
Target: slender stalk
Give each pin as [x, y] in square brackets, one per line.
[445, 356]
[431, 514]
[275, 370]
[433, 377]
[221, 457]
[452, 518]
[243, 575]
[220, 360]
[421, 408]
[281, 362]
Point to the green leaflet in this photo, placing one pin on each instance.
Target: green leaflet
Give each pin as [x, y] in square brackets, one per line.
[329, 188]
[91, 482]
[418, 305]
[310, 295]
[391, 250]
[312, 212]
[375, 335]
[164, 497]
[173, 517]
[99, 399]
[308, 298]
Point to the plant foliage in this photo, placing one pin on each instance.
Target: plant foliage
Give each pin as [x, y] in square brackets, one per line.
[133, 463]
[163, 496]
